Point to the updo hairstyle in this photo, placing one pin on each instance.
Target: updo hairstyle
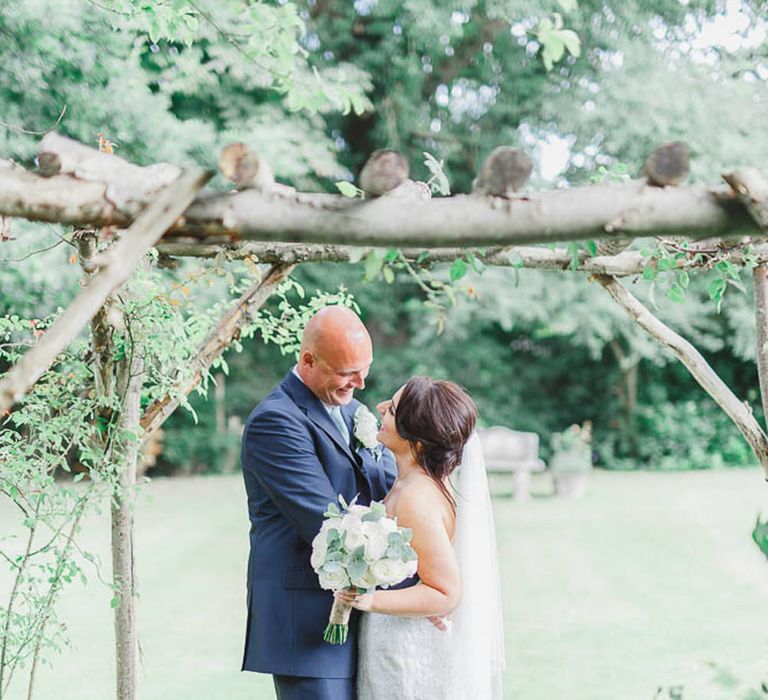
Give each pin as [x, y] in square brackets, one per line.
[437, 417]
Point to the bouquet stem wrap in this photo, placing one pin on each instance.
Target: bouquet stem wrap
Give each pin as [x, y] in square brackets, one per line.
[338, 623]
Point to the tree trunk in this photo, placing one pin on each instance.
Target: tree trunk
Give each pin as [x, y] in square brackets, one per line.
[628, 364]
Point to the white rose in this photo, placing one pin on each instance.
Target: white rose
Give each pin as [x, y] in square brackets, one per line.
[366, 581]
[387, 525]
[411, 567]
[319, 549]
[333, 580]
[376, 540]
[355, 538]
[357, 510]
[389, 572]
[366, 427]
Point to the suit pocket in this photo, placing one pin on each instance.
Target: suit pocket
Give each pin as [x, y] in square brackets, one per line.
[300, 577]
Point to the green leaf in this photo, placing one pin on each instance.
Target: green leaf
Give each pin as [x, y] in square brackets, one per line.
[650, 272]
[356, 564]
[676, 293]
[716, 291]
[571, 41]
[332, 511]
[592, 247]
[373, 264]
[348, 189]
[665, 264]
[376, 513]
[458, 270]
[388, 274]
[568, 5]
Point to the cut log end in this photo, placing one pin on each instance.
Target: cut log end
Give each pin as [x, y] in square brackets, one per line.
[383, 172]
[668, 165]
[245, 168]
[504, 172]
[48, 164]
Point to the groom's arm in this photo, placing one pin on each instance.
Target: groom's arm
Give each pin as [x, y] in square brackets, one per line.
[281, 456]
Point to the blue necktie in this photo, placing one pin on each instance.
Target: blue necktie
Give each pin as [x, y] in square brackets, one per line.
[338, 419]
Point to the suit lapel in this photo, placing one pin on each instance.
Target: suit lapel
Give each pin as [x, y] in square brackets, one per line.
[316, 412]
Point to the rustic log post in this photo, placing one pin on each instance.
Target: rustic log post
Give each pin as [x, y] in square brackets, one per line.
[760, 283]
[752, 188]
[129, 381]
[121, 380]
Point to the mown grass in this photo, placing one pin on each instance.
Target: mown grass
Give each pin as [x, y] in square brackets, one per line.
[650, 581]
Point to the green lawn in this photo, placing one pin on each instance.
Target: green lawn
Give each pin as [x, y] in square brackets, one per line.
[650, 580]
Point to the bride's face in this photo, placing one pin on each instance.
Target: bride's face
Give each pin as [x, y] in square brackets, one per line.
[388, 433]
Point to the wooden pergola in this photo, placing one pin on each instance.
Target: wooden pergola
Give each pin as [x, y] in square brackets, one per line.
[165, 207]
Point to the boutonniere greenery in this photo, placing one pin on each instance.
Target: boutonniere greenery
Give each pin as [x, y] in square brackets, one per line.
[366, 431]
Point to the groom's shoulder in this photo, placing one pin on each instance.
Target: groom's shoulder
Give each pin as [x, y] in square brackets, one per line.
[276, 403]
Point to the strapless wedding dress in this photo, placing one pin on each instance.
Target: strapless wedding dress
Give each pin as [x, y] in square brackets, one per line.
[402, 658]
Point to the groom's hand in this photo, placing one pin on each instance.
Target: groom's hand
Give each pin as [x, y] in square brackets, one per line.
[442, 623]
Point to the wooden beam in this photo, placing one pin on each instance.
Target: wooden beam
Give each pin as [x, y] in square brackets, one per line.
[115, 268]
[602, 211]
[738, 411]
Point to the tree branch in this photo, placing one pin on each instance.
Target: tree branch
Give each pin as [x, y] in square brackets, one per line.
[622, 265]
[740, 413]
[218, 340]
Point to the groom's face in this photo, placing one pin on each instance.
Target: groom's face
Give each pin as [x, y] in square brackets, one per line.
[334, 377]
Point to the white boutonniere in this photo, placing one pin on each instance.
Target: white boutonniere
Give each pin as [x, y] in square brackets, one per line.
[367, 430]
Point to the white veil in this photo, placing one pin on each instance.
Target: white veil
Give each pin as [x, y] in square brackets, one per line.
[477, 632]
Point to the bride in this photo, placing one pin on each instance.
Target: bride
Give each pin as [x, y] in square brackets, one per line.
[429, 427]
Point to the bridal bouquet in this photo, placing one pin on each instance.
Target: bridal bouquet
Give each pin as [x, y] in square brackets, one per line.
[360, 547]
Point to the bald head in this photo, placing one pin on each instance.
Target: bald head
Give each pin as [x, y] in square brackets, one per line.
[336, 355]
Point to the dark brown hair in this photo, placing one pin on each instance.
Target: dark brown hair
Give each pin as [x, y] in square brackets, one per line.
[436, 417]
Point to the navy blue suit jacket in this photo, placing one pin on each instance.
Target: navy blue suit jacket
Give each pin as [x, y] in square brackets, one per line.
[295, 462]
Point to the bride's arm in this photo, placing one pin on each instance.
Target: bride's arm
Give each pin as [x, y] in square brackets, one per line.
[427, 513]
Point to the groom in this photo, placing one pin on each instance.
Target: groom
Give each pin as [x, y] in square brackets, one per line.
[299, 453]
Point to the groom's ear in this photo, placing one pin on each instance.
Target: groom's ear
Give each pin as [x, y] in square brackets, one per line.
[306, 358]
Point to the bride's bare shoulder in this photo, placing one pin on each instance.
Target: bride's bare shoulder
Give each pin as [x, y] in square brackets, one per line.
[422, 500]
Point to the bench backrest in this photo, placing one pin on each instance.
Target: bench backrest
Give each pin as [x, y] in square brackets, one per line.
[508, 449]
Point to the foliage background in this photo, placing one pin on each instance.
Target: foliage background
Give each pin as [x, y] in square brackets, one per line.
[175, 81]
